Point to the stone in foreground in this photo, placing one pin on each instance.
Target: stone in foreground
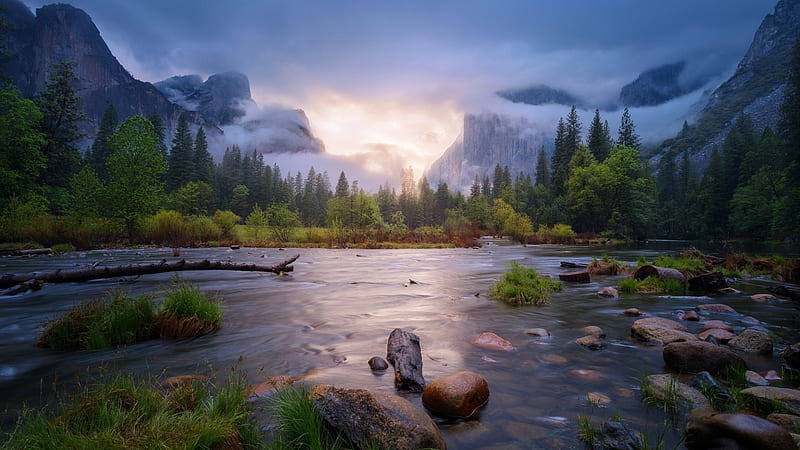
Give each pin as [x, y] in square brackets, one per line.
[698, 356]
[461, 394]
[404, 353]
[372, 419]
[708, 429]
[657, 330]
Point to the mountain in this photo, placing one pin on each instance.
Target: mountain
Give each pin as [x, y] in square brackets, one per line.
[756, 88]
[540, 95]
[62, 32]
[659, 85]
[486, 140]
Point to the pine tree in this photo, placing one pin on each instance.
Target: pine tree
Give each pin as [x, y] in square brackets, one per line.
[59, 104]
[789, 127]
[598, 141]
[542, 170]
[568, 138]
[203, 163]
[158, 129]
[342, 186]
[181, 156]
[627, 131]
[100, 148]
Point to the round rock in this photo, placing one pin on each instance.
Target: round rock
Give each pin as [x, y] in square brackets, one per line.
[632, 312]
[658, 330]
[708, 429]
[491, 341]
[377, 364]
[461, 394]
[697, 356]
[752, 341]
[538, 332]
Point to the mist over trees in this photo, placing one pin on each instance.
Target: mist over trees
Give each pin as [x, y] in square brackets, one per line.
[598, 186]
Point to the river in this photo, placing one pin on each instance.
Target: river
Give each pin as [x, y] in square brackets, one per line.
[336, 310]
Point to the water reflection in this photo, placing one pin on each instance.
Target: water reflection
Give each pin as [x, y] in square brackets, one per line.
[337, 309]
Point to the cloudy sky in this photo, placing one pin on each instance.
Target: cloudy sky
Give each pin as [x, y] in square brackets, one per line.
[395, 77]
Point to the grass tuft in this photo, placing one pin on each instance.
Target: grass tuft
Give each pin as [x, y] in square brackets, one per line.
[188, 312]
[523, 286]
[651, 285]
[299, 422]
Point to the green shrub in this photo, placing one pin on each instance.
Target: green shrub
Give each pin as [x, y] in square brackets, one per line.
[651, 285]
[117, 319]
[63, 248]
[168, 228]
[226, 220]
[124, 412]
[203, 229]
[685, 265]
[522, 285]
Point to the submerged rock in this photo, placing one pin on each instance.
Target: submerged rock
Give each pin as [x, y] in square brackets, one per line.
[716, 307]
[708, 429]
[491, 341]
[608, 292]
[538, 332]
[691, 316]
[592, 342]
[461, 394]
[719, 335]
[371, 418]
[617, 436]
[665, 386]
[632, 312]
[792, 355]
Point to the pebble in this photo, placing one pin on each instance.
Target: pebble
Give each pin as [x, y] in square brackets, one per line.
[716, 307]
[632, 312]
[764, 298]
[538, 332]
[597, 398]
[691, 316]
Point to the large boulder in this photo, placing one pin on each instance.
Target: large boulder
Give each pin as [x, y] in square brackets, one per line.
[708, 429]
[787, 398]
[404, 353]
[792, 355]
[376, 419]
[698, 356]
[752, 341]
[461, 394]
[658, 330]
[617, 436]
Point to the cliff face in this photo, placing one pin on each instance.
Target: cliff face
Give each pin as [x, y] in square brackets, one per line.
[657, 86]
[486, 140]
[60, 32]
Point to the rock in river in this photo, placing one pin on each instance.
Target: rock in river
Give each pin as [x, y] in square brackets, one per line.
[658, 330]
[491, 341]
[461, 394]
[708, 429]
[752, 341]
[377, 364]
[789, 399]
[376, 419]
[404, 353]
[698, 356]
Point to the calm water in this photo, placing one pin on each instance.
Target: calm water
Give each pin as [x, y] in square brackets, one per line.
[337, 309]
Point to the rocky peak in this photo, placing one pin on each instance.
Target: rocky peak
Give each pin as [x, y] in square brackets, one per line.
[221, 99]
[658, 85]
[540, 95]
[776, 33]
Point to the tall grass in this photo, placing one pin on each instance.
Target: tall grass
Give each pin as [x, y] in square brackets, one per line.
[188, 312]
[522, 285]
[124, 412]
[117, 319]
[299, 424]
[651, 285]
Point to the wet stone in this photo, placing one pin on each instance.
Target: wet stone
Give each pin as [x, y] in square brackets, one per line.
[716, 307]
[377, 364]
[598, 398]
[716, 324]
[537, 332]
[691, 316]
[764, 298]
[591, 376]
[632, 312]
[491, 341]
[593, 330]
[592, 342]
[721, 336]
[755, 379]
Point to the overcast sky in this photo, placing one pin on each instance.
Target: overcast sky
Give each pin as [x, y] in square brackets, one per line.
[399, 74]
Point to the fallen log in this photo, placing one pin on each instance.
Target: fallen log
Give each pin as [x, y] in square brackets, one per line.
[572, 265]
[404, 353]
[32, 251]
[710, 281]
[93, 273]
[662, 273]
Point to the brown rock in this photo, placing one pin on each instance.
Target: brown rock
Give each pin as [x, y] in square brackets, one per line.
[789, 422]
[376, 419]
[708, 429]
[588, 375]
[632, 312]
[377, 364]
[608, 292]
[580, 276]
[766, 395]
[691, 316]
[715, 307]
[755, 379]
[698, 356]
[553, 358]
[764, 298]
[710, 324]
[598, 398]
[538, 332]
[593, 330]
[660, 331]
[491, 341]
[592, 342]
[722, 336]
[461, 394]
[270, 385]
[752, 341]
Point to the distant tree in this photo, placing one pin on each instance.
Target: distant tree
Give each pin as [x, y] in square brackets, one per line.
[342, 186]
[568, 138]
[85, 190]
[195, 198]
[282, 221]
[135, 168]
[161, 136]
[387, 202]
[407, 201]
[181, 157]
[239, 200]
[542, 169]
[21, 145]
[713, 198]
[627, 131]
[598, 141]
[785, 223]
[61, 116]
[203, 162]
[100, 149]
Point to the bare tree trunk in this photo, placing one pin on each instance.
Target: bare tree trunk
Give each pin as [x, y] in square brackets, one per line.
[66, 276]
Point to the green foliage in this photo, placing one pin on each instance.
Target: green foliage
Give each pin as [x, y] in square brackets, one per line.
[225, 220]
[522, 285]
[117, 319]
[185, 300]
[683, 264]
[181, 157]
[100, 150]
[194, 198]
[203, 229]
[85, 195]
[559, 233]
[121, 411]
[168, 228]
[21, 145]
[300, 424]
[135, 170]
[651, 285]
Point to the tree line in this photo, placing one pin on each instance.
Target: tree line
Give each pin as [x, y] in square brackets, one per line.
[600, 185]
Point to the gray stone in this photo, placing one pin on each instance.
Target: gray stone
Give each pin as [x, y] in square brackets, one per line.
[377, 364]
[788, 398]
[658, 330]
[707, 429]
[752, 341]
[698, 356]
[617, 436]
[663, 385]
[370, 418]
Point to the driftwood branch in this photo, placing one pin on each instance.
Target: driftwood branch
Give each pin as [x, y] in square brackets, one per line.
[10, 280]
